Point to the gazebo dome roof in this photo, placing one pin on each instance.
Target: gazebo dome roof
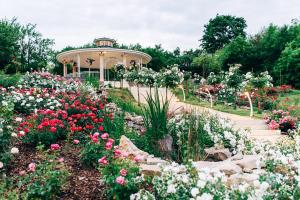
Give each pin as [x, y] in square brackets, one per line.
[104, 42]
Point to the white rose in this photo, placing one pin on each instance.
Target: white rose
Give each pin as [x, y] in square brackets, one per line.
[14, 150]
[195, 192]
[1, 165]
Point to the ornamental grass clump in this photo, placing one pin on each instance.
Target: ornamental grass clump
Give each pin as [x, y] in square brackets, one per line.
[155, 116]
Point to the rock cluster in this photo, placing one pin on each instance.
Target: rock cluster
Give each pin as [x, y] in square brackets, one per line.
[239, 168]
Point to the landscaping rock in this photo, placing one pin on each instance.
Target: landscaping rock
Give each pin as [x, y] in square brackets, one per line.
[150, 170]
[127, 146]
[218, 154]
[154, 161]
[138, 120]
[237, 179]
[249, 162]
[227, 167]
[166, 144]
[237, 156]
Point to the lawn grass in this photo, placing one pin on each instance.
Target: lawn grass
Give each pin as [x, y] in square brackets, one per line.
[192, 99]
[290, 101]
[124, 99]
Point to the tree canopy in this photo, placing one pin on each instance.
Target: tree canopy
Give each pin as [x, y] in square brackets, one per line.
[221, 30]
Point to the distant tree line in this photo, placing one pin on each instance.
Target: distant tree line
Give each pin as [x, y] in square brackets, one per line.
[224, 42]
[22, 47]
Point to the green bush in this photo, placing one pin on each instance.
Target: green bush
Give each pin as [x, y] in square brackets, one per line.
[46, 181]
[9, 80]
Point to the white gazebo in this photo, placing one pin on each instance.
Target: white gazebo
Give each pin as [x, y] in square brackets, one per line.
[100, 59]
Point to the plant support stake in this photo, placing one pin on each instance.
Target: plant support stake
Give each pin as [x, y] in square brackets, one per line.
[250, 102]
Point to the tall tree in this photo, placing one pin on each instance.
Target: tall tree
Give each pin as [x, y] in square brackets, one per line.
[9, 37]
[221, 30]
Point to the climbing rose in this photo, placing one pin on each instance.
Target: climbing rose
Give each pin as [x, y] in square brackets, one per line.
[55, 147]
[120, 180]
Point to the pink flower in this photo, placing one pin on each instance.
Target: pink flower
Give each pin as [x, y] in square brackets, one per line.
[104, 136]
[273, 125]
[96, 134]
[117, 152]
[103, 160]
[110, 140]
[75, 141]
[55, 147]
[138, 158]
[125, 154]
[21, 173]
[61, 160]
[120, 180]
[31, 167]
[108, 145]
[123, 172]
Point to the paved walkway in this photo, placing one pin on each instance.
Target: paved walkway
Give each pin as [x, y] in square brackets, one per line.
[257, 127]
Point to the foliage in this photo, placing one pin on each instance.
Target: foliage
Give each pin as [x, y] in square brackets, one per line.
[119, 173]
[44, 180]
[155, 115]
[170, 77]
[8, 81]
[280, 119]
[124, 99]
[288, 64]
[206, 63]
[23, 47]
[221, 30]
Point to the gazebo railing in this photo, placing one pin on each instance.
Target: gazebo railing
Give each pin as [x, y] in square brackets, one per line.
[86, 74]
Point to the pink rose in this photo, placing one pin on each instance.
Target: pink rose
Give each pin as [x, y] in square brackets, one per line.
[120, 180]
[75, 141]
[21, 173]
[104, 136]
[31, 167]
[103, 160]
[138, 158]
[55, 147]
[108, 145]
[110, 140]
[61, 160]
[123, 172]
[117, 152]
[96, 134]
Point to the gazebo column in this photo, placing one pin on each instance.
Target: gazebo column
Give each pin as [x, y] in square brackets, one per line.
[65, 70]
[78, 65]
[101, 67]
[73, 71]
[141, 63]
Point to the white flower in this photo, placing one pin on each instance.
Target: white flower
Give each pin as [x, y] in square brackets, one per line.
[205, 196]
[18, 119]
[201, 183]
[171, 189]
[1, 165]
[14, 150]
[194, 192]
[13, 134]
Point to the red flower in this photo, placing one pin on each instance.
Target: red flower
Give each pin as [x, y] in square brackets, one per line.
[53, 129]
[101, 128]
[54, 147]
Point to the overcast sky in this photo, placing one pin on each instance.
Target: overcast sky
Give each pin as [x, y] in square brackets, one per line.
[171, 23]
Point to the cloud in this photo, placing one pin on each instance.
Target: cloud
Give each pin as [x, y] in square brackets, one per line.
[171, 23]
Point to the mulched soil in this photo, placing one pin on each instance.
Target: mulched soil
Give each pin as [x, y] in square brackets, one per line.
[83, 183]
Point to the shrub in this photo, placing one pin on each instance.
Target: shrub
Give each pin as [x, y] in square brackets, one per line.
[45, 179]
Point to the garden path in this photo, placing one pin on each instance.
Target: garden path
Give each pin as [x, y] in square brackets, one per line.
[257, 127]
